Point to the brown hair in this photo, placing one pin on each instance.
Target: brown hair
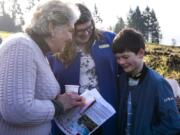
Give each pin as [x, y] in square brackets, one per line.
[70, 52]
[86, 16]
[67, 55]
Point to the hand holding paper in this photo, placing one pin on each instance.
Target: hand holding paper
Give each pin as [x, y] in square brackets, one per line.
[84, 121]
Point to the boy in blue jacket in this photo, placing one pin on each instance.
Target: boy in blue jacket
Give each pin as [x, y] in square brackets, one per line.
[146, 104]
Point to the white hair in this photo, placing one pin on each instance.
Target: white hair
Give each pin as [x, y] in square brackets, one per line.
[54, 11]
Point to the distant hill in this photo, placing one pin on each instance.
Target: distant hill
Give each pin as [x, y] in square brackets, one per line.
[164, 59]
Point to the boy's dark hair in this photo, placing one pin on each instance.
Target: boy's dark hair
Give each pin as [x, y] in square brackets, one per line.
[128, 39]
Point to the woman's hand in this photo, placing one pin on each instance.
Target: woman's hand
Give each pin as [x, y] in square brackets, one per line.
[70, 100]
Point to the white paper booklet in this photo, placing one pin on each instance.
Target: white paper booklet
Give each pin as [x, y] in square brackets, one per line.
[85, 120]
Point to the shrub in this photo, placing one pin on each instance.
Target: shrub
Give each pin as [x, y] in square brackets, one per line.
[164, 59]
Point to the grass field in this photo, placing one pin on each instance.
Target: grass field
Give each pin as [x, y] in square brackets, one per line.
[164, 59]
[4, 34]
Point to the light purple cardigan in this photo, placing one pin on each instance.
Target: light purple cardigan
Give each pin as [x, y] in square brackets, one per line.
[27, 86]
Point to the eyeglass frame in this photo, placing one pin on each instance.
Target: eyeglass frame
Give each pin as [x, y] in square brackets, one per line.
[88, 29]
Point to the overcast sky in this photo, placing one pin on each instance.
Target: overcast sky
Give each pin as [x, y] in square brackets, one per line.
[167, 13]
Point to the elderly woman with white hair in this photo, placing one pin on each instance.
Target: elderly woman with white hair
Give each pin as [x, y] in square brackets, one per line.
[29, 92]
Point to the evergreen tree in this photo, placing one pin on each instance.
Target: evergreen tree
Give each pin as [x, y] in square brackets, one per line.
[152, 28]
[15, 11]
[155, 30]
[2, 10]
[31, 4]
[130, 21]
[173, 40]
[110, 28]
[147, 23]
[7, 23]
[120, 25]
[135, 20]
[13, 14]
[96, 15]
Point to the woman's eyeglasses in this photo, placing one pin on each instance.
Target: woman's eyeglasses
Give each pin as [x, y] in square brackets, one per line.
[88, 29]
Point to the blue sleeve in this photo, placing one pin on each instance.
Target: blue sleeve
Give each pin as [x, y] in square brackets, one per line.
[56, 66]
[109, 36]
[167, 112]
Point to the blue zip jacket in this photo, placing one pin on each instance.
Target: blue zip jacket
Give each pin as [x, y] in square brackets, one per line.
[154, 107]
[105, 64]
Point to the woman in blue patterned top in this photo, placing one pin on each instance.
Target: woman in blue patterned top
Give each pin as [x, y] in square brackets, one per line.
[93, 65]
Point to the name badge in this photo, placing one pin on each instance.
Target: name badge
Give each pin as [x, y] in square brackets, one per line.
[104, 46]
[168, 99]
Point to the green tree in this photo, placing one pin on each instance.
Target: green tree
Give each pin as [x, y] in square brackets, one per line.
[119, 25]
[31, 4]
[2, 10]
[147, 23]
[152, 28]
[135, 20]
[15, 11]
[130, 20]
[173, 40]
[96, 15]
[7, 23]
[11, 16]
[155, 30]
